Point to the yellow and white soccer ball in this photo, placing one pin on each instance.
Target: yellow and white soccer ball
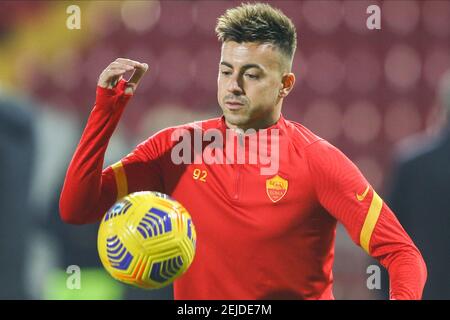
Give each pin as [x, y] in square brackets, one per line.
[147, 239]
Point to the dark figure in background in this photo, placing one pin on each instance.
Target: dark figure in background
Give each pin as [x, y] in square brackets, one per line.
[420, 196]
[16, 159]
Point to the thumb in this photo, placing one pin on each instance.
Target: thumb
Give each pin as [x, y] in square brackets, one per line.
[132, 84]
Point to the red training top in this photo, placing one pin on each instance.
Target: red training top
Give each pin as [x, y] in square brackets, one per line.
[258, 236]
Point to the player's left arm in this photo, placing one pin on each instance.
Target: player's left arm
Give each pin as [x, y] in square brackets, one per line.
[344, 192]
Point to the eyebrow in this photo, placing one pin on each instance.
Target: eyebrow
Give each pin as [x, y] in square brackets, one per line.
[245, 66]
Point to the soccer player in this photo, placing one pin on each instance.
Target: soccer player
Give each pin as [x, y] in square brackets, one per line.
[259, 235]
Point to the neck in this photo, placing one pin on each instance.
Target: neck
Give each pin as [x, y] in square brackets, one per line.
[256, 125]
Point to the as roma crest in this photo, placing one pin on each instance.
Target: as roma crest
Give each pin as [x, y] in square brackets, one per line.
[276, 188]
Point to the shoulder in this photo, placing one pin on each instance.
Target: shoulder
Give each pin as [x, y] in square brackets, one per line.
[167, 133]
[299, 134]
[165, 139]
[306, 141]
[419, 147]
[421, 155]
[319, 153]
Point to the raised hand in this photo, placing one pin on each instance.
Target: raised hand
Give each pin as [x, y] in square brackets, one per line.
[114, 72]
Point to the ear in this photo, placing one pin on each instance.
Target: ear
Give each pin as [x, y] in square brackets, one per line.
[287, 81]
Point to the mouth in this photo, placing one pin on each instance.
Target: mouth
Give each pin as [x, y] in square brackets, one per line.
[234, 105]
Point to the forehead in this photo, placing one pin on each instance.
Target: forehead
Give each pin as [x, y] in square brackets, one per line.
[238, 54]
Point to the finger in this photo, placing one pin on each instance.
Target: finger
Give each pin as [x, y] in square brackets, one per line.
[129, 62]
[138, 74]
[116, 65]
[110, 77]
[114, 72]
[135, 78]
[124, 69]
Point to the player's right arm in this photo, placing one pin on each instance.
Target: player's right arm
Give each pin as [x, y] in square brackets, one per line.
[88, 190]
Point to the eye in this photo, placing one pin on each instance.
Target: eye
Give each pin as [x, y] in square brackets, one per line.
[225, 73]
[251, 76]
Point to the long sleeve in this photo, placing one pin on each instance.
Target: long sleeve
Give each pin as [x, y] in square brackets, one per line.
[89, 191]
[344, 192]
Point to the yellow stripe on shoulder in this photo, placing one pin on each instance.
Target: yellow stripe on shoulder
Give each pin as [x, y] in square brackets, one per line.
[371, 220]
[121, 179]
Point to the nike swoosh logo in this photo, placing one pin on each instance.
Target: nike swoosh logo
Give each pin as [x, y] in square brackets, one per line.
[361, 197]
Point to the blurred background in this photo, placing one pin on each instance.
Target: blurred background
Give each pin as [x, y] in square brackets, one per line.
[375, 94]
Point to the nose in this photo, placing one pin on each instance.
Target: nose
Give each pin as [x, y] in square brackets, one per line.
[235, 86]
